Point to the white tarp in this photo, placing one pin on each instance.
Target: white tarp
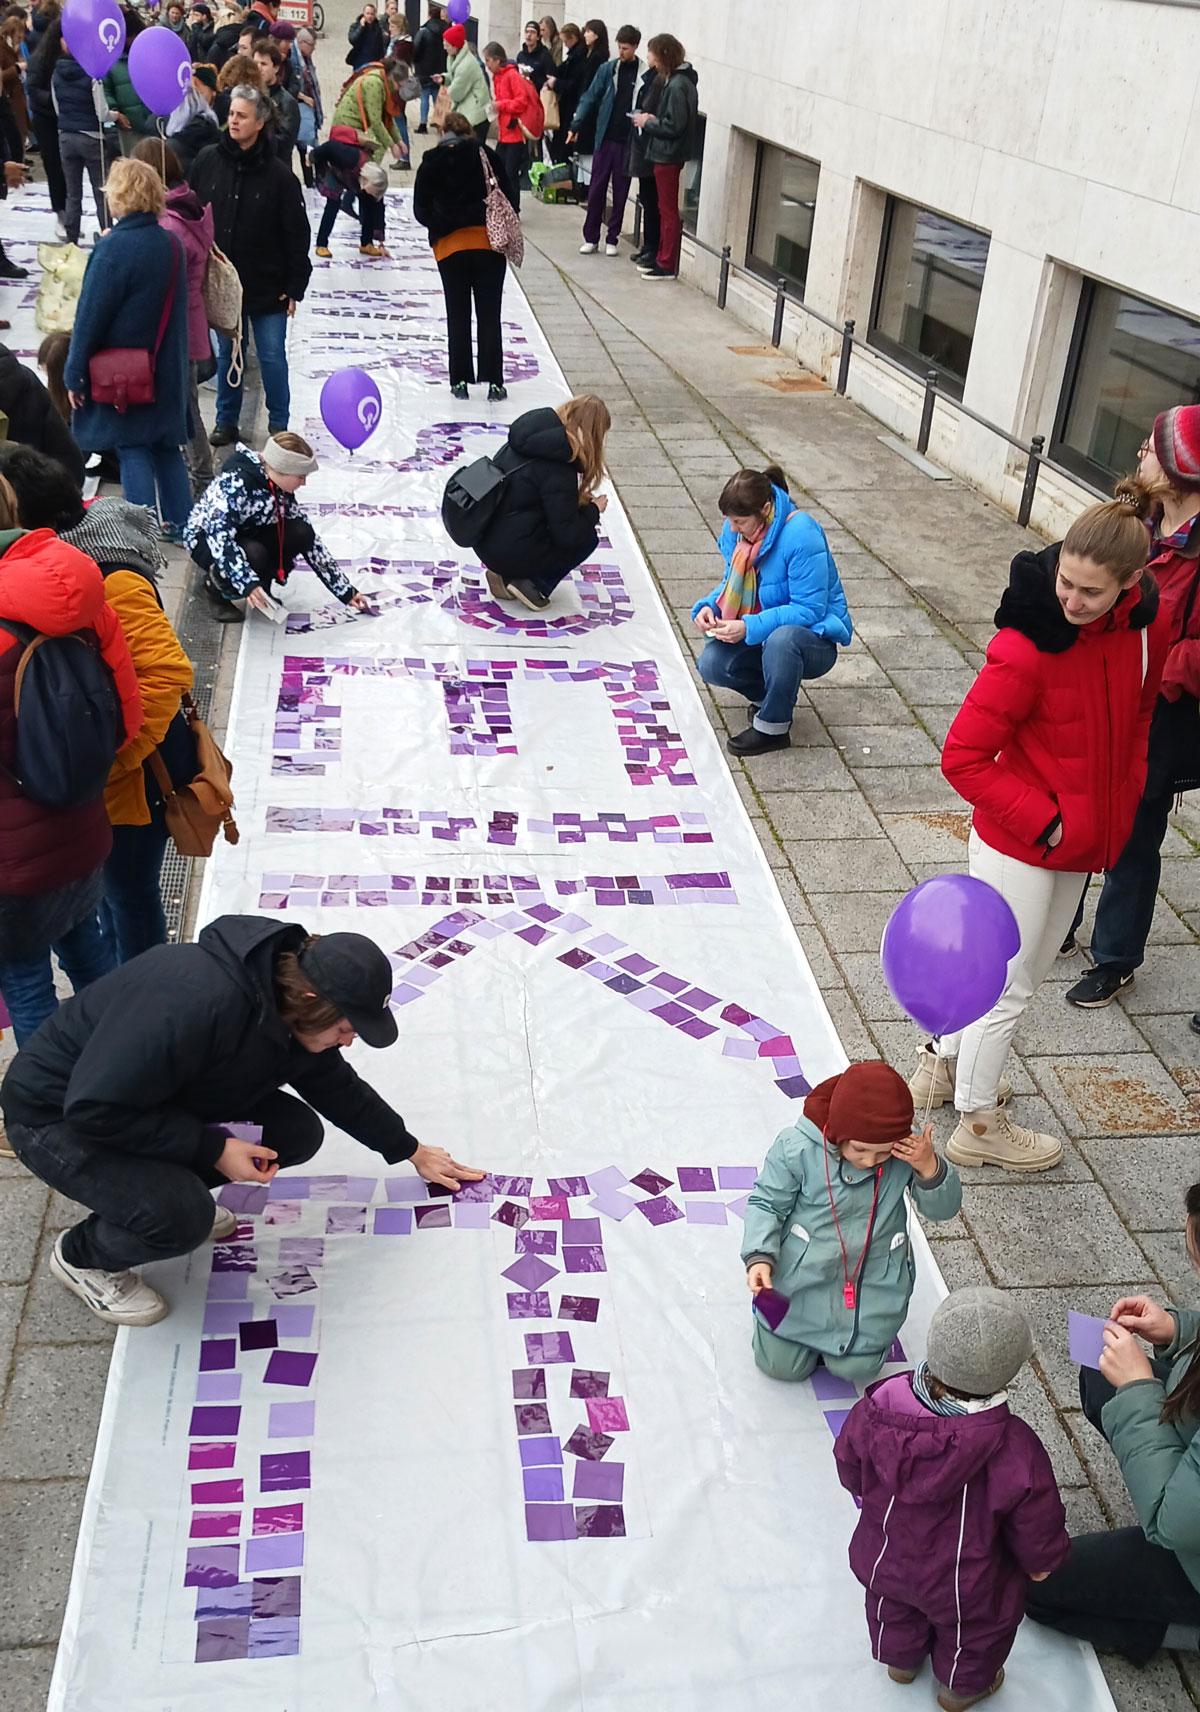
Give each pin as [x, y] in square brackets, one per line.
[596, 979]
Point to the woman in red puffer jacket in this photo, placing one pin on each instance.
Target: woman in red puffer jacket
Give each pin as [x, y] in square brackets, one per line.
[51, 859]
[1050, 749]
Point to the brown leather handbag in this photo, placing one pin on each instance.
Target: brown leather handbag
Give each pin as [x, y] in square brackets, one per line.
[196, 812]
[124, 376]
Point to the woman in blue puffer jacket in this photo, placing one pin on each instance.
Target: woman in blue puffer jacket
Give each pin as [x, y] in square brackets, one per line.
[778, 616]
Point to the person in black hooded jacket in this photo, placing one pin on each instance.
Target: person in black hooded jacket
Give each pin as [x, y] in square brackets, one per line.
[119, 1099]
[32, 417]
[547, 520]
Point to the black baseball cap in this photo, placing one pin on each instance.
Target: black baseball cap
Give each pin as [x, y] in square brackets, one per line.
[352, 972]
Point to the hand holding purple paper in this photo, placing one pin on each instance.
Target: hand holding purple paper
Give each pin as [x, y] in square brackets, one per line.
[772, 1306]
[1085, 1338]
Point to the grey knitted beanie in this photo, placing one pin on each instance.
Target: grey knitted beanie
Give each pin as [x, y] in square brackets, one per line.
[978, 1341]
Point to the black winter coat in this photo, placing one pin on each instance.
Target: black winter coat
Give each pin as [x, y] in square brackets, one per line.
[539, 529]
[449, 190]
[32, 418]
[670, 136]
[200, 40]
[429, 50]
[539, 65]
[199, 133]
[183, 1037]
[258, 220]
[224, 43]
[368, 42]
[569, 82]
[594, 63]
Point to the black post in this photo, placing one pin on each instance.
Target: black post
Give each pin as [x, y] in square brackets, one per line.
[1032, 469]
[637, 222]
[847, 351]
[723, 283]
[927, 412]
[780, 300]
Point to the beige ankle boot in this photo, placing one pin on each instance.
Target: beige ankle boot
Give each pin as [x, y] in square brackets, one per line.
[937, 1074]
[992, 1138]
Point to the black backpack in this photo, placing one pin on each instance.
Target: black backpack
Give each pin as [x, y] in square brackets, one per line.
[472, 499]
[68, 717]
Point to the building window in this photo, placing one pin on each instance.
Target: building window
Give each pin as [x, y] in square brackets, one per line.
[690, 184]
[927, 291]
[785, 196]
[1129, 360]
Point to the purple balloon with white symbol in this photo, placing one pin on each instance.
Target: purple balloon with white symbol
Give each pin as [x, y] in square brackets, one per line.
[946, 950]
[94, 30]
[459, 10]
[160, 69]
[351, 407]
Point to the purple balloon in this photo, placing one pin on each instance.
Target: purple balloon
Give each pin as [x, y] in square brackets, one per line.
[94, 30]
[160, 69]
[946, 950]
[459, 10]
[351, 407]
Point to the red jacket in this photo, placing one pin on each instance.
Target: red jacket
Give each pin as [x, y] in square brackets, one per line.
[1175, 569]
[1056, 723]
[56, 589]
[508, 92]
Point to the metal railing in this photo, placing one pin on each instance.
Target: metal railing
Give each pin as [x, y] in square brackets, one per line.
[1033, 450]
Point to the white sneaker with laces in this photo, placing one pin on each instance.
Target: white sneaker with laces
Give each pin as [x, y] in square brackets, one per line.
[612, 249]
[588, 249]
[118, 1298]
[224, 1227]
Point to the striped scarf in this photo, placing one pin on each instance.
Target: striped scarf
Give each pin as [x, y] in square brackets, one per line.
[739, 597]
[950, 1405]
[114, 532]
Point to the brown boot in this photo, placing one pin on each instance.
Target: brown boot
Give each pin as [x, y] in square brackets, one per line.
[960, 1702]
[898, 1675]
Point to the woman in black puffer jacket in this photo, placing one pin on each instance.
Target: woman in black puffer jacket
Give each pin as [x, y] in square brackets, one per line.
[548, 517]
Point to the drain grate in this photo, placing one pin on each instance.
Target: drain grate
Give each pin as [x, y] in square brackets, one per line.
[201, 637]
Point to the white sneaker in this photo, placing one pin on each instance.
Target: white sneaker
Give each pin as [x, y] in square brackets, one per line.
[932, 1082]
[118, 1298]
[60, 232]
[224, 1227]
[992, 1138]
[588, 249]
[612, 249]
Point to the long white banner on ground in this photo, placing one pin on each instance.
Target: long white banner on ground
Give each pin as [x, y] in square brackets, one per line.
[390, 1451]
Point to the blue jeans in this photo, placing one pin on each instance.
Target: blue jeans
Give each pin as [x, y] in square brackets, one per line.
[132, 910]
[429, 94]
[769, 673]
[27, 983]
[270, 341]
[156, 476]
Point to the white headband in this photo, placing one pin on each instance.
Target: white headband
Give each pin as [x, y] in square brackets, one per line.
[286, 463]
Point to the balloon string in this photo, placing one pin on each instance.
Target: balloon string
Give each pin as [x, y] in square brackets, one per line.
[929, 1096]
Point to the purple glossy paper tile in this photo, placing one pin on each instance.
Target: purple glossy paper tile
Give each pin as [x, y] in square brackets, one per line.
[509, 1213]
[275, 1637]
[219, 1639]
[545, 1348]
[291, 1420]
[532, 1419]
[592, 1446]
[294, 1282]
[604, 1480]
[549, 1207]
[236, 1257]
[536, 1242]
[519, 1186]
[660, 1211]
[471, 1215]
[835, 1420]
[218, 1388]
[651, 1182]
[568, 1185]
[217, 1354]
[211, 1566]
[393, 1221]
[828, 1387]
[274, 1551]
[217, 1491]
[613, 1204]
[433, 1218]
[258, 1334]
[543, 1485]
[579, 1308]
[694, 1179]
[483, 1191]
[549, 1522]
[216, 1525]
[1085, 1338]
[579, 1231]
[589, 1258]
[705, 1212]
[212, 1455]
[529, 1271]
[599, 1522]
[279, 1519]
[214, 1423]
[293, 1319]
[772, 1306]
[285, 1471]
[589, 1382]
[607, 1414]
[539, 1453]
[529, 1305]
[290, 1367]
[276, 1596]
[737, 1176]
[529, 1383]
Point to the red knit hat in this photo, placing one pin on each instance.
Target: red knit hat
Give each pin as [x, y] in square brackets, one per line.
[868, 1102]
[1177, 445]
[455, 37]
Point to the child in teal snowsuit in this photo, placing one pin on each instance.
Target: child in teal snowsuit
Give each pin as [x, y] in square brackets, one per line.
[827, 1225]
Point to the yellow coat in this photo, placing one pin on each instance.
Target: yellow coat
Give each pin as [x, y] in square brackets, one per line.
[164, 672]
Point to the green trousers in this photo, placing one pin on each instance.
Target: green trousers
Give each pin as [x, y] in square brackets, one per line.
[780, 1358]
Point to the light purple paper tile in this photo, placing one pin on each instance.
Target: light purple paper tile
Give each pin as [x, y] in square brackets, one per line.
[589, 1257]
[694, 1179]
[829, 1388]
[529, 1384]
[543, 1485]
[228, 1286]
[293, 1319]
[529, 1271]
[660, 1210]
[295, 1281]
[536, 1242]
[549, 1522]
[218, 1388]
[579, 1308]
[274, 1551]
[548, 1348]
[532, 1418]
[472, 1215]
[603, 1480]
[835, 1420]
[737, 1176]
[406, 1188]
[291, 1420]
[613, 1204]
[705, 1212]
[393, 1221]
[539, 1453]
[581, 1231]
[608, 1177]
[589, 1382]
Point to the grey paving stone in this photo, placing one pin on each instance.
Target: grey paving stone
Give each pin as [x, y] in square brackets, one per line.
[22, 1204]
[12, 1300]
[25, 1678]
[1119, 1093]
[54, 1315]
[1103, 1471]
[856, 922]
[847, 1020]
[960, 1263]
[1051, 1233]
[794, 901]
[930, 835]
[820, 814]
[838, 706]
[905, 790]
[873, 746]
[1050, 1025]
[936, 721]
[1168, 1256]
[1027, 1398]
[868, 867]
[889, 613]
[825, 971]
[1167, 981]
[1157, 1687]
[1146, 1178]
[1181, 882]
[49, 1423]
[803, 768]
[1047, 1314]
[692, 540]
[940, 686]
[1170, 928]
[865, 979]
[39, 1521]
[936, 652]
[1084, 1515]
[855, 666]
[62, 1212]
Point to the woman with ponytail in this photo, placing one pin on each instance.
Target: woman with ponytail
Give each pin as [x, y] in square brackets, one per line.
[1134, 1590]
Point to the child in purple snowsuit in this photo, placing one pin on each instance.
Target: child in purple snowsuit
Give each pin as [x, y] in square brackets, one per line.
[960, 1509]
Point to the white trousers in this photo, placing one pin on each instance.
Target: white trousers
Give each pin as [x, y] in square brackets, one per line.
[1043, 901]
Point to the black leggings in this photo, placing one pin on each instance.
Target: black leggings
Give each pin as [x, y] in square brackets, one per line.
[651, 227]
[45, 129]
[261, 546]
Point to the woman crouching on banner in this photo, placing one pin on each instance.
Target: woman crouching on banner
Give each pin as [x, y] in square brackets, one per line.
[547, 520]
[248, 530]
[118, 1099]
[344, 170]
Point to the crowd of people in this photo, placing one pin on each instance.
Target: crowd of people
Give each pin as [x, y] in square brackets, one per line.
[1069, 747]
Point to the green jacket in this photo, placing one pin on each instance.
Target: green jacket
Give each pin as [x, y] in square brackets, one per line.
[1161, 1464]
[465, 82]
[120, 94]
[789, 1222]
[371, 86]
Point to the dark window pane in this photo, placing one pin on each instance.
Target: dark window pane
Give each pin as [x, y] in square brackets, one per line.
[1131, 359]
[927, 298]
[692, 173]
[784, 200]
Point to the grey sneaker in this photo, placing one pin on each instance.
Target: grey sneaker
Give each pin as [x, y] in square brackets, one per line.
[118, 1298]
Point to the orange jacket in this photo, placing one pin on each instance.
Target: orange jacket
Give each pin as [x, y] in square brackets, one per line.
[164, 672]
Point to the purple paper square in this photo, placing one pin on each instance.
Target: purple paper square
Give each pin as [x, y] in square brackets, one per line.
[216, 1524]
[529, 1383]
[543, 1485]
[549, 1522]
[228, 1286]
[290, 1367]
[291, 1420]
[568, 1185]
[258, 1334]
[599, 1522]
[214, 1423]
[220, 1317]
[277, 1596]
[275, 1637]
[293, 1319]
[345, 1221]
[592, 1446]
[772, 1305]
[705, 1212]
[212, 1455]
[529, 1271]
[243, 1197]
[274, 1551]
[661, 1210]
[604, 1480]
[548, 1348]
[232, 1601]
[528, 1305]
[218, 1388]
[393, 1221]
[296, 1251]
[217, 1491]
[612, 1204]
[537, 1242]
[278, 1519]
[539, 1453]
[588, 1258]
[549, 1207]
[589, 1382]
[406, 1188]
[694, 1179]
[296, 1281]
[607, 1414]
[433, 1218]
[651, 1181]
[835, 1420]
[217, 1354]
[285, 1471]
[532, 1419]
[828, 1387]
[581, 1230]
[219, 1639]
[211, 1566]
[1085, 1338]
[579, 1308]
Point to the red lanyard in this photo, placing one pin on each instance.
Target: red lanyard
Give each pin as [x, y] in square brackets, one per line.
[850, 1286]
[280, 574]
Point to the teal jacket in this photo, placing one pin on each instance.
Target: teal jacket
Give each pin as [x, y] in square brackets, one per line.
[1161, 1463]
[789, 1223]
[466, 85]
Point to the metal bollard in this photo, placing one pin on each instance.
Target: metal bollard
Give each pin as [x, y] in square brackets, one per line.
[780, 304]
[1032, 470]
[931, 381]
[847, 352]
[723, 282]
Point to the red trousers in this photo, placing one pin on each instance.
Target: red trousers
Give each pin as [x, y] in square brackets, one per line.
[666, 178]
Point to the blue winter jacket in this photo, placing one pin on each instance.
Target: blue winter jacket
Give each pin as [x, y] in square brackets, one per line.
[798, 581]
[601, 98]
[75, 98]
[124, 289]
